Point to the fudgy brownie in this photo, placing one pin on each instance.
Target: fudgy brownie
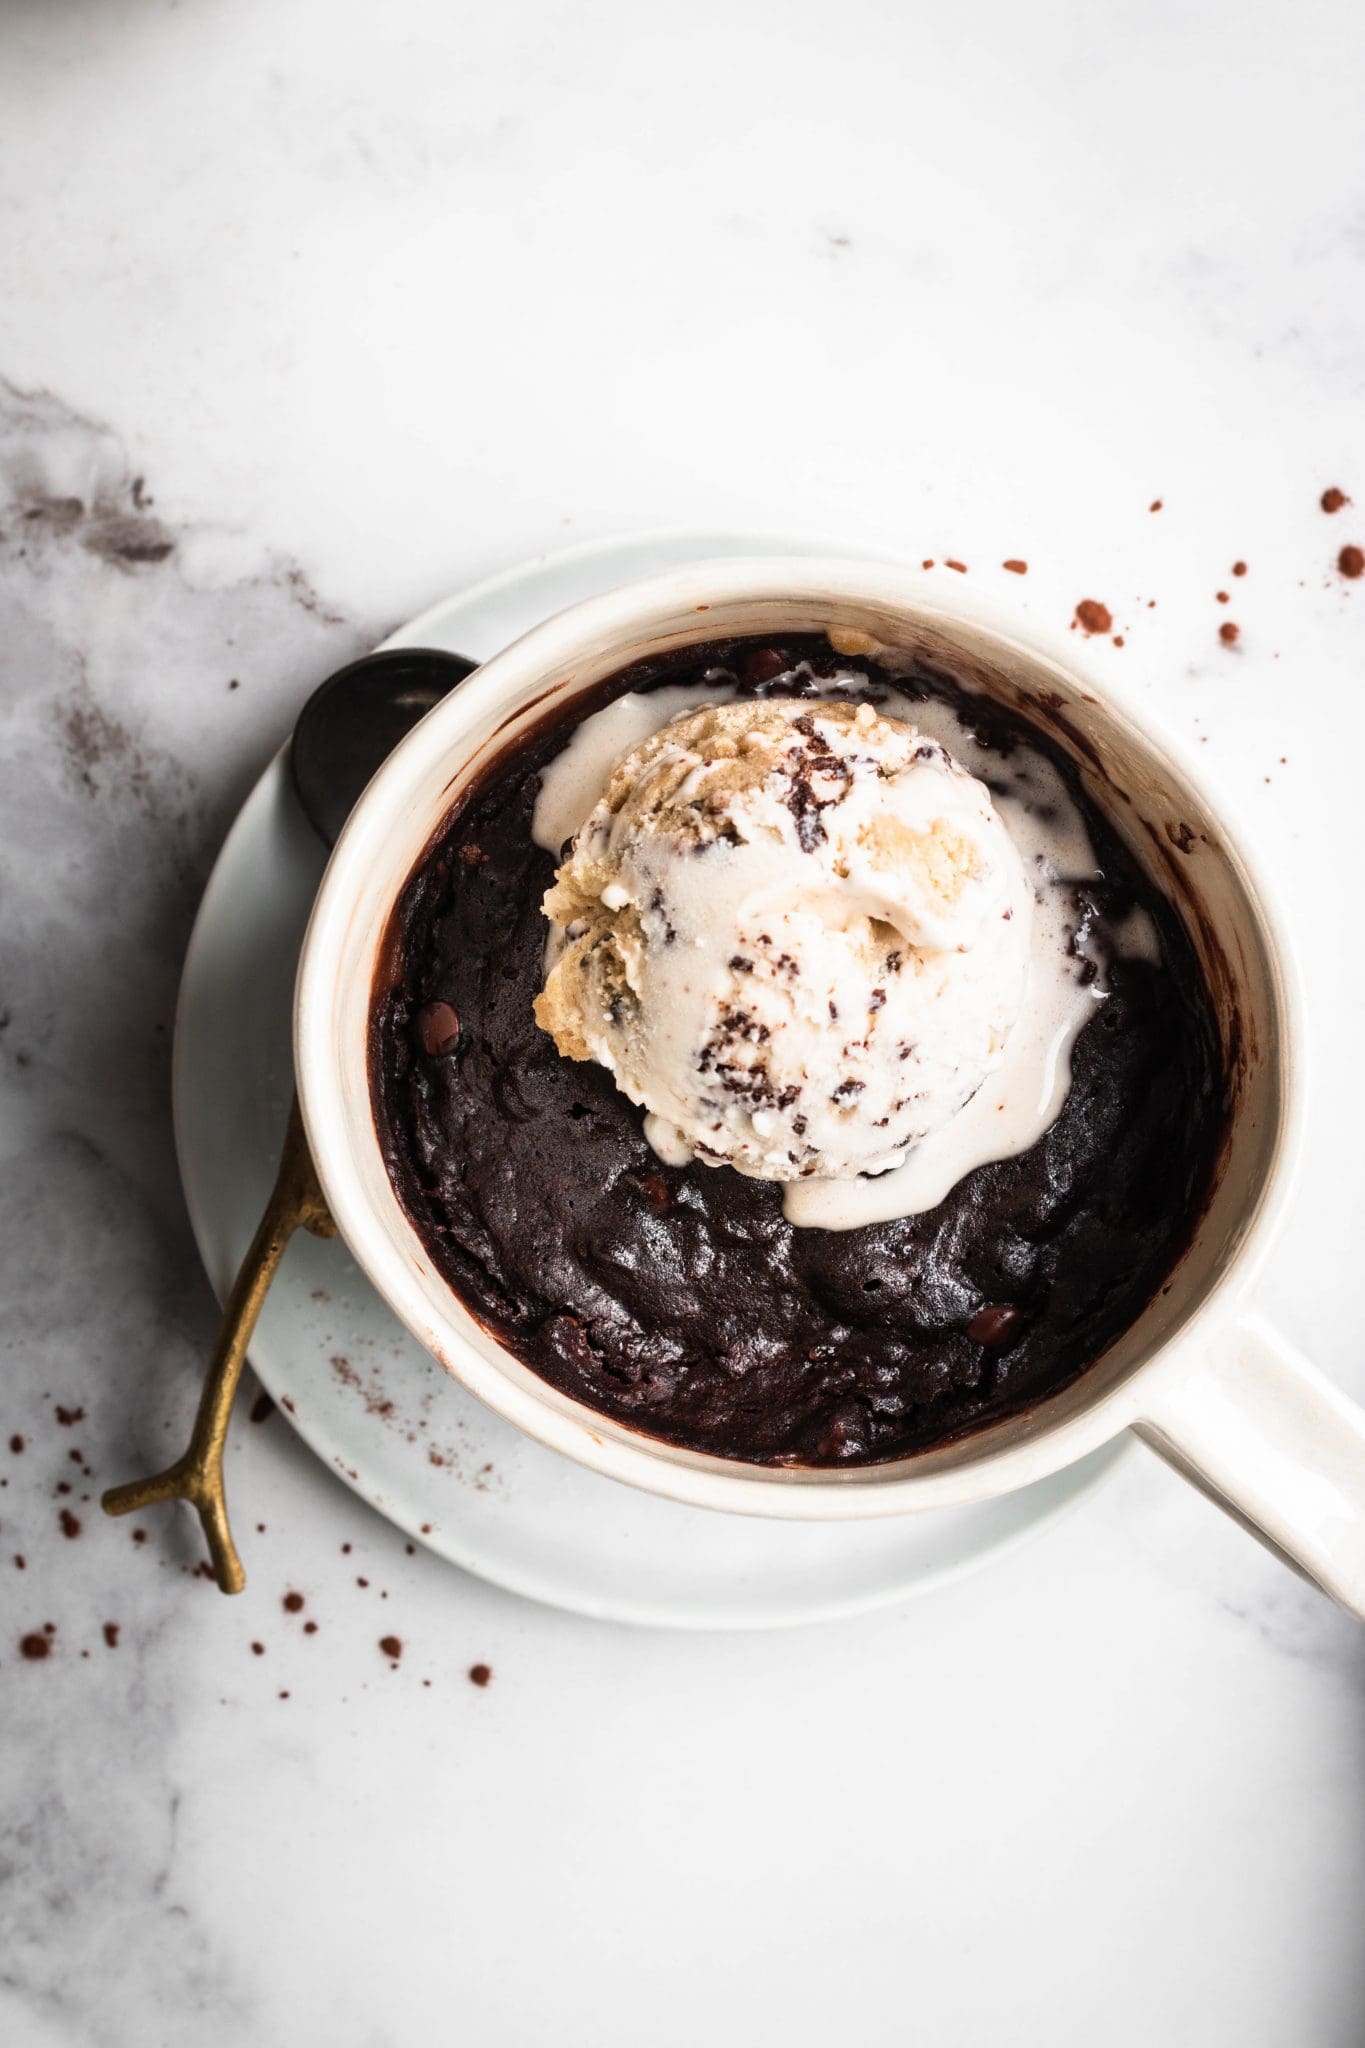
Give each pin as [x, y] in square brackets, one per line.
[679, 1300]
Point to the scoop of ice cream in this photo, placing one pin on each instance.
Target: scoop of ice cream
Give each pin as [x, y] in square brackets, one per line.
[796, 931]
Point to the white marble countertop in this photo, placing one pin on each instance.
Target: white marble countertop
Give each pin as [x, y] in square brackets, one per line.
[313, 313]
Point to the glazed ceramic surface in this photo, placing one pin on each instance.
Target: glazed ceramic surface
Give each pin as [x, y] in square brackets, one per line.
[1282, 1446]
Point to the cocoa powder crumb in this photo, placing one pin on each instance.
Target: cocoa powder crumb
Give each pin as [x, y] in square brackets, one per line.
[292, 1603]
[392, 1647]
[310, 1628]
[1239, 568]
[258, 1649]
[16, 1444]
[480, 1674]
[71, 1524]
[1155, 505]
[927, 565]
[1228, 633]
[262, 1408]
[111, 1634]
[34, 1648]
[139, 1535]
[69, 1417]
[1221, 596]
[1351, 562]
[1333, 499]
[1094, 617]
[1015, 566]
[20, 1562]
[961, 567]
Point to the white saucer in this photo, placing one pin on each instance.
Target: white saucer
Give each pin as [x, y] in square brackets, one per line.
[360, 1392]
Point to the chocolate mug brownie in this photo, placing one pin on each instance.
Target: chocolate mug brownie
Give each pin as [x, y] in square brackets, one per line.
[717, 1288]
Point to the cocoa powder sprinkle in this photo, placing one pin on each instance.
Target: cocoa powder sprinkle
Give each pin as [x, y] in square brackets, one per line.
[1228, 633]
[71, 1524]
[1351, 562]
[392, 1646]
[292, 1603]
[1094, 617]
[16, 1444]
[111, 1634]
[1015, 566]
[34, 1648]
[480, 1674]
[1333, 499]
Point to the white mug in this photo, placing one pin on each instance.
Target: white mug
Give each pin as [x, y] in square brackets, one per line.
[1199, 1376]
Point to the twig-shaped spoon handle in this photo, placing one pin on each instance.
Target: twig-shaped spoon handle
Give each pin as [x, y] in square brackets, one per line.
[197, 1477]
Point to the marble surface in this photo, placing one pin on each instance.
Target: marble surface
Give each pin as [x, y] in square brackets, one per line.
[312, 313]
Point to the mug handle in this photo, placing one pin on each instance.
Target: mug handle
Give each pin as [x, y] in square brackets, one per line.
[1276, 1444]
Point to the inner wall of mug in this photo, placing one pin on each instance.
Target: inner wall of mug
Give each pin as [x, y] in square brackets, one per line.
[1154, 806]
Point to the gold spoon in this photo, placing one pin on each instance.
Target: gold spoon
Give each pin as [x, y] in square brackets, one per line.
[198, 1476]
[349, 725]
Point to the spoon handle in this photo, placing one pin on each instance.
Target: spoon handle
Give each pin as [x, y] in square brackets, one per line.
[197, 1477]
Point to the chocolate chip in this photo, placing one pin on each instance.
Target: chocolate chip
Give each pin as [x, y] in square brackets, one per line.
[439, 1029]
[764, 665]
[995, 1327]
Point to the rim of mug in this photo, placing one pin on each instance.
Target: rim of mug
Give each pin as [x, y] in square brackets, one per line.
[970, 1468]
